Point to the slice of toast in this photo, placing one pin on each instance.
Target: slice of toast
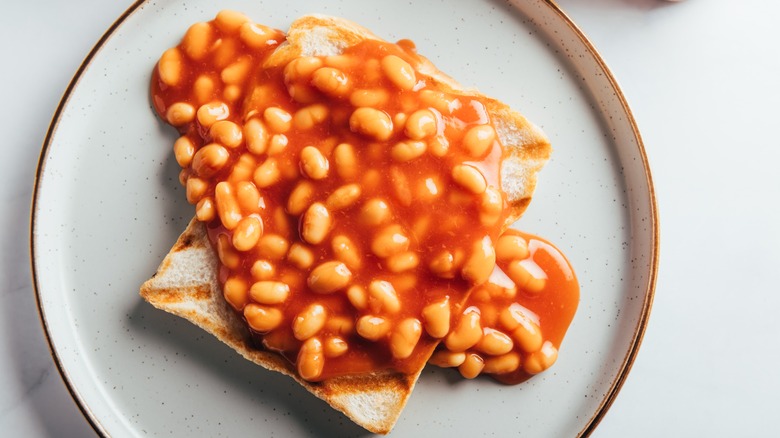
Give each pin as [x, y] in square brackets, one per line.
[186, 285]
[186, 281]
[526, 147]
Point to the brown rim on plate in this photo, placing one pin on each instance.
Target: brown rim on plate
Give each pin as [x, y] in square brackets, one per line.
[639, 331]
[82, 405]
[647, 305]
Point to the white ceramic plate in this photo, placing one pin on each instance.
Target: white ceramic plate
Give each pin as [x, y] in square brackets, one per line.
[108, 207]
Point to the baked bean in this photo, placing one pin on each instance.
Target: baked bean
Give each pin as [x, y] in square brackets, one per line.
[183, 151]
[226, 133]
[310, 359]
[261, 318]
[481, 294]
[230, 21]
[372, 123]
[443, 264]
[331, 81]
[313, 164]
[299, 198]
[335, 347]
[369, 98]
[491, 207]
[273, 246]
[470, 178]
[196, 189]
[300, 256]
[204, 210]
[372, 327]
[421, 124]
[224, 52]
[227, 205]
[301, 68]
[494, 342]
[481, 262]
[407, 150]
[346, 251]
[280, 341]
[401, 188]
[329, 277]
[343, 197]
[227, 255]
[401, 262]
[302, 93]
[236, 73]
[247, 233]
[203, 89]
[277, 119]
[269, 292]
[345, 161]
[316, 223]
[528, 336]
[341, 325]
[357, 296]
[310, 116]
[267, 174]
[248, 197]
[399, 121]
[382, 297]
[405, 337]
[232, 93]
[478, 140]
[180, 113]
[197, 41]
[511, 247]
[256, 136]
[440, 101]
[467, 332]
[263, 270]
[375, 212]
[436, 317]
[541, 360]
[235, 292]
[277, 144]
[439, 146]
[212, 112]
[447, 359]
[343, 62]
[243, 169]
[170, 67]
[527, 275]
[472, 365]
[506, 363]
[400, 73]
[209, 160]
[429, 188]
[309, 321]
[390, 240]
[257, 36]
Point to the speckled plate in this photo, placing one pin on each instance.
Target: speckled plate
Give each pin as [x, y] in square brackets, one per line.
[108, 206]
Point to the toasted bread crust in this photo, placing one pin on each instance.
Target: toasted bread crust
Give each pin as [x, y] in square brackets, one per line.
[373, 401]
[186, 281]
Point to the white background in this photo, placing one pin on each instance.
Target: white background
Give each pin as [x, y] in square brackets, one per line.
[703, 80]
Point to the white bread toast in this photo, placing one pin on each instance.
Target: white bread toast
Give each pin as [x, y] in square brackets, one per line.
[186, 282]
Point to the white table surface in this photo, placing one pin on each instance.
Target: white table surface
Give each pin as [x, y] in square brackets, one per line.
[703, 80]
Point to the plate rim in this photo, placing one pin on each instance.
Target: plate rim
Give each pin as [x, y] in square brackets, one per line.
[649, 293]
